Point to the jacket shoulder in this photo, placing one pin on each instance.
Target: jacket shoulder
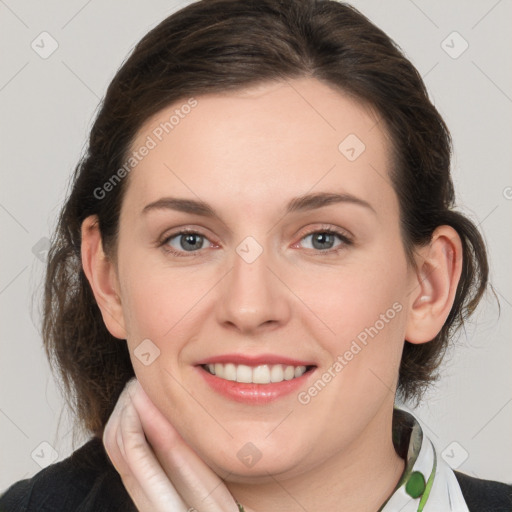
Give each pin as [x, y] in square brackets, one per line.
[485, 495]
[84, 482]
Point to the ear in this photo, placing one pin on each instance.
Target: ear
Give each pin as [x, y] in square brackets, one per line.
[102, 276]
[437, 274]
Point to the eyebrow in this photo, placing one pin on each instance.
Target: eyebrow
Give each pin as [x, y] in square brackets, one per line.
[301, 203]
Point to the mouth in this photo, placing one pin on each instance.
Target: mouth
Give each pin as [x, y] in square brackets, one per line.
[257, 380]
[260, 374]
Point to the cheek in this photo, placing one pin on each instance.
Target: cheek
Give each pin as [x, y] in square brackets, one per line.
[159, 303]
[360, 318]
[351, 298]
[365, 314]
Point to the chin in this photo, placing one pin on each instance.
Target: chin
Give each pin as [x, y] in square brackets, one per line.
[259, 460]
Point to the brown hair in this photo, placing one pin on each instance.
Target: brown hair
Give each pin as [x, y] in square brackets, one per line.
[221, 45]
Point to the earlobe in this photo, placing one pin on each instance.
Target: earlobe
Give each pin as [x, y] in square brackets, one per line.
[439, 267]
[101, 274]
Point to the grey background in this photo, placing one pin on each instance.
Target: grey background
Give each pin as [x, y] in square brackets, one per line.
[47, 106]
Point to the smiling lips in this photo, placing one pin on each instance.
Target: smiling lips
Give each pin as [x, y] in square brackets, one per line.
[254, 380]
[261, 374]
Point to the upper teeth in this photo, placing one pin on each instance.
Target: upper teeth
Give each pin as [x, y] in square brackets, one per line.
[263, 374]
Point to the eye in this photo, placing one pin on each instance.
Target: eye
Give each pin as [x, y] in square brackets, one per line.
[190, 243]
[326, 240]
[185, 241]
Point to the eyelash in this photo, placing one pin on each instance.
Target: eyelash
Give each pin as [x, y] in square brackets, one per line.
[346, 241]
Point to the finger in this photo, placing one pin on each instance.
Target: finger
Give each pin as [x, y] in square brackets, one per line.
[113, 443]
[151, 487]
[133, 459]
[111, 438]
[200, 487]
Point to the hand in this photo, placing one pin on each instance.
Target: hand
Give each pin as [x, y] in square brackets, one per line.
[165, 475]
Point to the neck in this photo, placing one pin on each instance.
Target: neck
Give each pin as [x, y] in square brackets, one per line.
[359, 478]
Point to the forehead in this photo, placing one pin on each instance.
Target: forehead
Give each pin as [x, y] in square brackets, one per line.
[262, 145]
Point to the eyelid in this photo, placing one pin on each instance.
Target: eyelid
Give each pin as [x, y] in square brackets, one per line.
[164, 238]
[344, 234]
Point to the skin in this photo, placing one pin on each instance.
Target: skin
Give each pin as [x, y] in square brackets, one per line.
[247, 154]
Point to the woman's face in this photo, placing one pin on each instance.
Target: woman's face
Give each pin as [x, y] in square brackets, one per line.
[297, 262]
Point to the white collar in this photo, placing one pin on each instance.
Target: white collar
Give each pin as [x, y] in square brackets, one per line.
[425, 472]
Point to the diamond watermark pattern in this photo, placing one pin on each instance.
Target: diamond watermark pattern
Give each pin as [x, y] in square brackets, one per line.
[146, 352]
[454, 455]
[249, 454]
[40, 249]
[351, 147]
[454, 45]
[249, 249]
[44, 45]
[44, 454]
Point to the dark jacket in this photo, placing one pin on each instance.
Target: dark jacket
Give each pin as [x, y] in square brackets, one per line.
[88, 482]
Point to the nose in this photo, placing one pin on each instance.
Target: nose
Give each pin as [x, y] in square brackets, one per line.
[253, 299]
